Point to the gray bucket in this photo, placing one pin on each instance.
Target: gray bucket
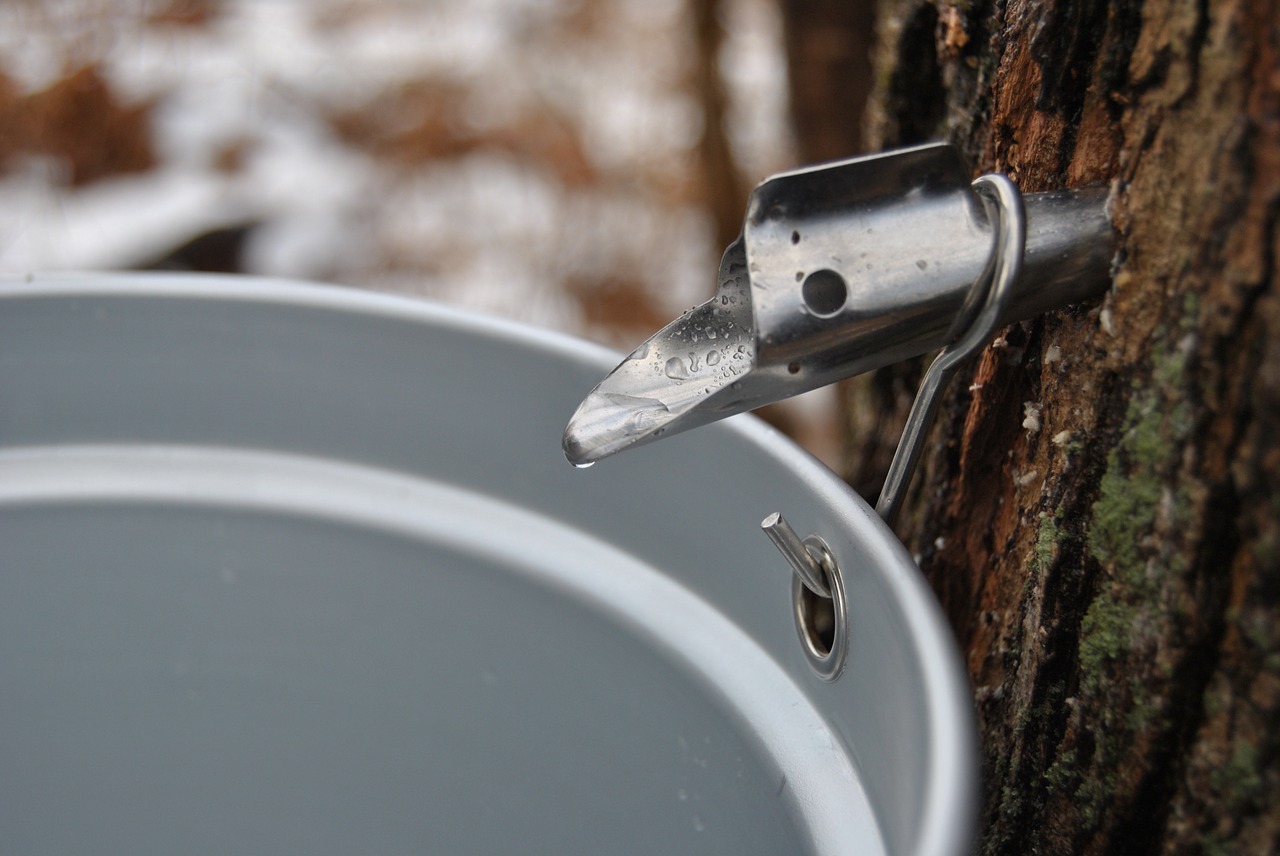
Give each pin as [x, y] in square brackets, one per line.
[297, 570]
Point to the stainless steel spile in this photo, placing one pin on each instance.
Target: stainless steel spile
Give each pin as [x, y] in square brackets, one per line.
[843, 268]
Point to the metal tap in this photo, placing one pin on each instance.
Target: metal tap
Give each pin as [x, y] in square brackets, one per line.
[843, 268]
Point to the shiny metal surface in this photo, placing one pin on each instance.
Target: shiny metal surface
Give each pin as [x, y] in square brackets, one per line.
[807, 564]
[994, 290]
[301, 569]
[842, 268]
[822, 624]
[817, 596]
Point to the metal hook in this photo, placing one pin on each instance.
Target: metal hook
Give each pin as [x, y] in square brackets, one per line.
[998, 283]
[809, 558]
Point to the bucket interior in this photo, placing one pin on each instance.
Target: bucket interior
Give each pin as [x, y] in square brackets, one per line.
[292, 570]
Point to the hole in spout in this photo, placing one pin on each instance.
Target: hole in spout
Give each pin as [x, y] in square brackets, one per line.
[824, 292]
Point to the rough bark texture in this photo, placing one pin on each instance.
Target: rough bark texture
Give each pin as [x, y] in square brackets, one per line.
[1099, 510]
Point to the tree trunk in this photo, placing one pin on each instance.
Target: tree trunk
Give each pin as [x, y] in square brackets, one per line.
[723, 188]
[1099, 507]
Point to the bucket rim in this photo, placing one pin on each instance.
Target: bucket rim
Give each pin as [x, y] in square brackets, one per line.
[948, 817]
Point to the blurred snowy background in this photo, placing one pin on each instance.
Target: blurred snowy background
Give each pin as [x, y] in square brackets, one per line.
[575, 164]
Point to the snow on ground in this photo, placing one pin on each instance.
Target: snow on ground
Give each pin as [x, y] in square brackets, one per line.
[530, 158]
[482, 228]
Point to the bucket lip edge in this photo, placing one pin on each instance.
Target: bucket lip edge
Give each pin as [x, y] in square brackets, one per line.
[951, 795]
[951, 792]
[294, 292]
[286, 485]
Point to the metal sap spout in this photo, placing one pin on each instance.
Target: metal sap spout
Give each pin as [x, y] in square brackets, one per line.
[841, 269]
[671, 382]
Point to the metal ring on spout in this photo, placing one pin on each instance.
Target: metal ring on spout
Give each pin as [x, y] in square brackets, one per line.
[1010, 225]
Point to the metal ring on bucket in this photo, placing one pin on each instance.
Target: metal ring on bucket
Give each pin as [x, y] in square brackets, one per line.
[822, 622]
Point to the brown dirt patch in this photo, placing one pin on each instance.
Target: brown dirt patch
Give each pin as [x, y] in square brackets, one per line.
[78, 120]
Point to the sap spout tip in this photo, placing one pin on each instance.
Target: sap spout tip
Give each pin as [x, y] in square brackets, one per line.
[577, 450]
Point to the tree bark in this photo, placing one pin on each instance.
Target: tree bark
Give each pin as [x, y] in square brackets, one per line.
[1099, 508]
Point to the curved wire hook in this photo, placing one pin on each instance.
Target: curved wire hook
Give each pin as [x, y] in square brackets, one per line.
[1010, 220]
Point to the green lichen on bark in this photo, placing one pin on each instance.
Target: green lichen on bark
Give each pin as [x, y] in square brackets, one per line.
[1139, 487]
[1063, 775]
[1240, 781]
[1104, 637]
[1140, 468]
[1129, 495]
[1157, 424]
[1048, 536]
